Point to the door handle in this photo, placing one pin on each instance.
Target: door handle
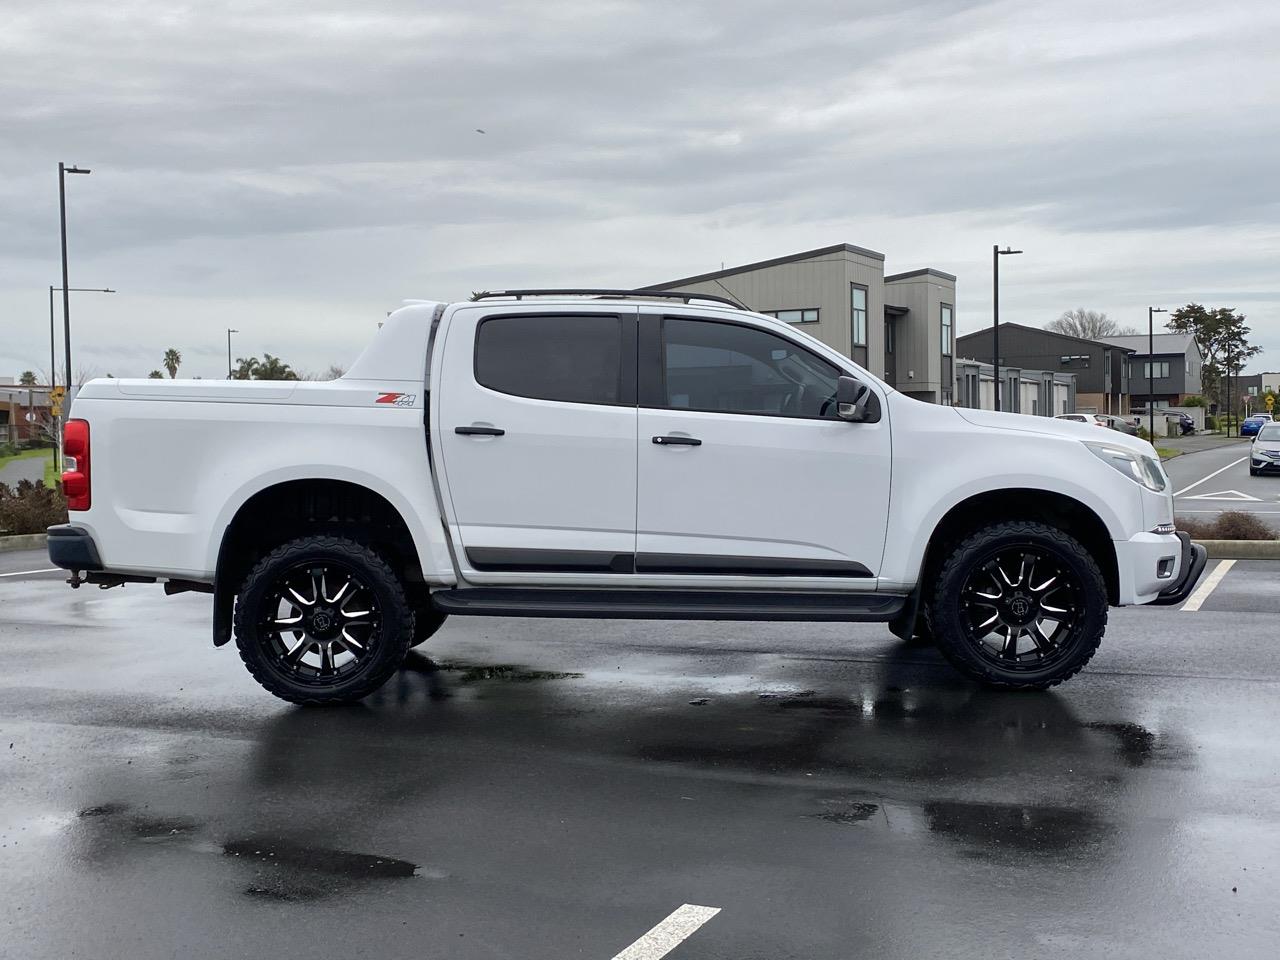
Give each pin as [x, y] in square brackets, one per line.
[669, 441]
[480, 431]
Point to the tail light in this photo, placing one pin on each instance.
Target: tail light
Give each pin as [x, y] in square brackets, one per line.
[75, 477]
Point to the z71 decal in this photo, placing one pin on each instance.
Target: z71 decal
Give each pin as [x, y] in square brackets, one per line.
[398, 399]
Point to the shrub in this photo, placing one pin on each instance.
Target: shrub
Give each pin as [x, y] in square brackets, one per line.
[30, 508]
[1194, 401]
[8, 449]
[1229, 525]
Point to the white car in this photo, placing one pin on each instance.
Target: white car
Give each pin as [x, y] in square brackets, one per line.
[609, 454]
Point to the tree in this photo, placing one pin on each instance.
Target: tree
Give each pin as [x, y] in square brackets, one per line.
[172, 360]
[1088, 325]
[1223, 339]
[155, 375]
[273, 368]
[268, 368]
[28, 378]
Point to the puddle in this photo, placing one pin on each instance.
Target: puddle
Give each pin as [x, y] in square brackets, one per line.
[325, 860]
[1136, 743]
[840, 810]
[1014, 828]
[472, 673]
[140, 825]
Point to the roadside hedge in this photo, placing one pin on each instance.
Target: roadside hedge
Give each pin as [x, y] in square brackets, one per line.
[30, 508]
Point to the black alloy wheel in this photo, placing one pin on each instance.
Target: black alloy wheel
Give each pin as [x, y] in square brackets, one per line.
[322, 619]
[1019, 605]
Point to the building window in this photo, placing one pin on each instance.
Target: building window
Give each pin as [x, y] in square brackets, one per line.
[858, 306]
[1161, 368]
[946, 329]
[806, 315]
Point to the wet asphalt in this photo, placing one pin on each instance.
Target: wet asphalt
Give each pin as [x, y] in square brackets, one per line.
[549, 789]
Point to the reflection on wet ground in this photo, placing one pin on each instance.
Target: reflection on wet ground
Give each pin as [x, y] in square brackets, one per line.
[535, 800]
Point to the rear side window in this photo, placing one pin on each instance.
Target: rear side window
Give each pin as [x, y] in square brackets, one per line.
[572, 359]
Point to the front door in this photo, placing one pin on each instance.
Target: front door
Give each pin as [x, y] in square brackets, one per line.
[744, 469]
[536, 422]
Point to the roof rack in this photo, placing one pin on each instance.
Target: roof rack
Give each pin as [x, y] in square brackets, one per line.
[607, 293]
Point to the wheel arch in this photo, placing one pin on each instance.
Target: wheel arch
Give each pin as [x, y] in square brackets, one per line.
[287, 509]
[1059, 510]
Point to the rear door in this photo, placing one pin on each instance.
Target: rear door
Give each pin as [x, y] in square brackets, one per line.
[536, 422]
[746, 476]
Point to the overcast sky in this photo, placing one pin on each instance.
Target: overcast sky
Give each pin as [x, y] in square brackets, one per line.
[296, 169]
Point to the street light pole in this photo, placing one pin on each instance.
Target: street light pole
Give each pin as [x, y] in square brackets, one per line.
[1151, 370]
[229, 333]
[996, 254]
[53, 372]
[63, 170]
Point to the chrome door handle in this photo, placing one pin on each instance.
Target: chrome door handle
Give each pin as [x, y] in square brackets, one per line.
[677, 441]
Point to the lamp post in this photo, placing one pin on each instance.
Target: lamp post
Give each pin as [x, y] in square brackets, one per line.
[1151, 370]
[996, 254]
[63, 170]
[229, 333]
[53, 373]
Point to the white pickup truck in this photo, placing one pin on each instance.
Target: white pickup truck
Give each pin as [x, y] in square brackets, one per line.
[609, 454]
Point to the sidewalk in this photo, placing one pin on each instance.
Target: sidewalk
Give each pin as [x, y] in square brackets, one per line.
[1199, 441]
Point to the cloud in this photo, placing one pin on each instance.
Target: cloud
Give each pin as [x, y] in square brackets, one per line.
[289, 169]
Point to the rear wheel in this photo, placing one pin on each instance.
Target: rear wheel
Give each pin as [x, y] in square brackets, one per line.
[322, 620]
[1019, 605]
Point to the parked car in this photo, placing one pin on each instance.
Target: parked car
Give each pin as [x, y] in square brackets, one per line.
[1264, 452]
[1250, 426]
[1118, 423]
[609, 454]
[1091, 418]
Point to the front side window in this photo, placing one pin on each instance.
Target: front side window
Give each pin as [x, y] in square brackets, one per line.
[946, 329]
[858, 307]
[571, 359]
[730, 368]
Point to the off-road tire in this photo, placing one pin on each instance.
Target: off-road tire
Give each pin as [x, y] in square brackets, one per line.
[388, 643]
[946, 616]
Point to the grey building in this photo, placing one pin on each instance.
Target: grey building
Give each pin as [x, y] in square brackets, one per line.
[1175, 366]
[1042, 393]
[900, 327]
[1101, 369]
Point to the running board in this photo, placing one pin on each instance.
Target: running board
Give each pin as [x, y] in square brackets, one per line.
[638, 604]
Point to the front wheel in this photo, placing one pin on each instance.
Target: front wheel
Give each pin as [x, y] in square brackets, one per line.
[1019, 605]
[322, 619]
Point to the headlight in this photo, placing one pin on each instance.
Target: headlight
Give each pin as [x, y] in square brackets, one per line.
[1143, 470]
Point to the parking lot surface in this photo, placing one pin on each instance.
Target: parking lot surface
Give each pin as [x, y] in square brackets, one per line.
[549, 789]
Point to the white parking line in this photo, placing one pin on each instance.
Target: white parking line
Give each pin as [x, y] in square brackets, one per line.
[1210, 476]
[27, 573]
[683, 922]
[1207, 585]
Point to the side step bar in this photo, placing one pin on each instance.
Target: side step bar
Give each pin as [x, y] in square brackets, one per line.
[638, 604]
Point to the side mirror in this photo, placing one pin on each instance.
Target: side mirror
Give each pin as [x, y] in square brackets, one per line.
[856, 402]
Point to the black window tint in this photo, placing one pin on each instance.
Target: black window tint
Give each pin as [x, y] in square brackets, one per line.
[574, 359]
[726, 368]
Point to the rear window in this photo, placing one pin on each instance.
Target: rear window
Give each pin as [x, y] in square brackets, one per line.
[571, 359]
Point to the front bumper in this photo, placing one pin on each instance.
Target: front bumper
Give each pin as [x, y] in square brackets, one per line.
[72, 548]
[1194, 556]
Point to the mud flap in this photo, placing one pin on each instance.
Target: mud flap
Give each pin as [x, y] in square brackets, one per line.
[223, 606]
[903, 626]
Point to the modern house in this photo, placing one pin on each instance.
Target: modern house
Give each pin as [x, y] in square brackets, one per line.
[1043, 393]
[900, 327]
[1175, 366]
[1101, 369]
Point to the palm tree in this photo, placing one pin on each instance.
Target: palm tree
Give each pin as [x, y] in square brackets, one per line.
[273, 368]
[155, 375]
[172, 359]
[28, 378]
